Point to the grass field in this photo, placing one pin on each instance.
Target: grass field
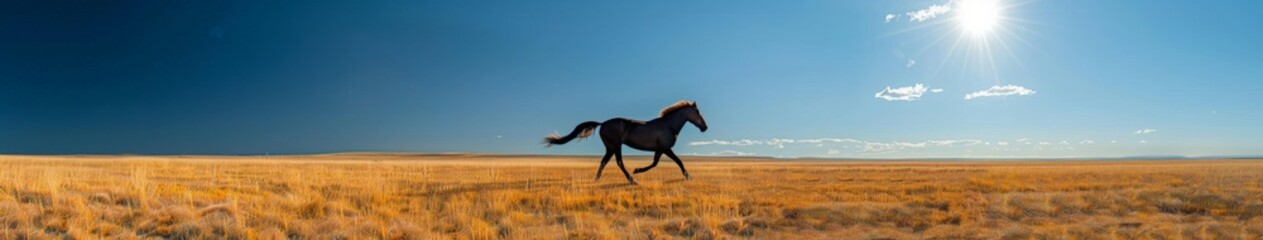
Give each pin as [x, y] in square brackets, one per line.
[392, 196]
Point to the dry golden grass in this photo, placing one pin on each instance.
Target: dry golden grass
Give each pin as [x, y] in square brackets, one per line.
[369, 196]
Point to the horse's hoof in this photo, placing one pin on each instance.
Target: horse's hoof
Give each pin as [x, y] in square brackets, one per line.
[634, 183]
[638, 171]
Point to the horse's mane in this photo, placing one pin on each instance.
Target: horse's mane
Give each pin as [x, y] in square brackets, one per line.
[676, 106]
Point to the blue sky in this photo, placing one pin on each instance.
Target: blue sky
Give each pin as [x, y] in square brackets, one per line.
[773, 78]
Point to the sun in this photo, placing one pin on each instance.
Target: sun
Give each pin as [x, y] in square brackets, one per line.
[978, 17]
[979, 35]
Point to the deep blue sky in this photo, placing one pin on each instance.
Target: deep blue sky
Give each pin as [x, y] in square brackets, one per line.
[1102, 78]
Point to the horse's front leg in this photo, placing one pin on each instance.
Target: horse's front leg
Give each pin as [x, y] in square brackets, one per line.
[656, 156]
[671, 154]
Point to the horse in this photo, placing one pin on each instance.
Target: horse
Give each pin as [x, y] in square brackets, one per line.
[657, 135]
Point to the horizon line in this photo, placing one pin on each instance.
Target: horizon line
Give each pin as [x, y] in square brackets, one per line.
[1013, 158]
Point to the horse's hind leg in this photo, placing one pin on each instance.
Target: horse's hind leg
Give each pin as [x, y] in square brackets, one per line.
[605, 160]
[618, 156]
[678, 162]
[656, 156]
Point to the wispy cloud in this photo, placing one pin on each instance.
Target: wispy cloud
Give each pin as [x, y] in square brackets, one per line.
[1146, 131]
[1005, 90]
[880, 146]
[921, 15]
[960, 142]
[890, 146]
[779, 142]
[742, 142]
[775, 142]
[832, 140]
[909, 93]
[867, 146]
[910, 63]
[725, 153]
[858, 147]
[1144, 141]
[929, 12]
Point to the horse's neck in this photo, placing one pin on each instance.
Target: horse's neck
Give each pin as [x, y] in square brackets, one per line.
[674, 121]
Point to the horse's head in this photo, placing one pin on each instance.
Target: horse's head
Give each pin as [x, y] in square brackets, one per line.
[695, 116]
[688, 111]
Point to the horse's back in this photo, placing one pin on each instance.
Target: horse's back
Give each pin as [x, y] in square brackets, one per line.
[619, 127]
[621, 124]
[626, 121]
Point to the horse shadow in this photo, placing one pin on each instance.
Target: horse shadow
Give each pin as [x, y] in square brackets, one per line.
[443, 190]
[609, 186]
[673, 181]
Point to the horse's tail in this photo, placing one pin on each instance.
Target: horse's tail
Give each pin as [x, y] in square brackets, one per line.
[584, 130]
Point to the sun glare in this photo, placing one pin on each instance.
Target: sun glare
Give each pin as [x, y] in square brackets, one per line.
[978, 17]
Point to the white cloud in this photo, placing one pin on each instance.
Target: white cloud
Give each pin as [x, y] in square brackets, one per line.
[742, 142]
[928, 13]
[1144, 141]
[910, 63]
[878, 147]
[726, 153]
[936, 90]
[835, 146]
[833, 140]
[963, 142]
[890, 17]
[909, 93]
[775, 142]
[1146, 131]
[1005, 90]
[780, 143]
[910, 144]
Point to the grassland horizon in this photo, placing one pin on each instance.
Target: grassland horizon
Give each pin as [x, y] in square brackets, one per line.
[489, 196]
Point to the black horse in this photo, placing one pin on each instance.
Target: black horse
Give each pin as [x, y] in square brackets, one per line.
[656, 135]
